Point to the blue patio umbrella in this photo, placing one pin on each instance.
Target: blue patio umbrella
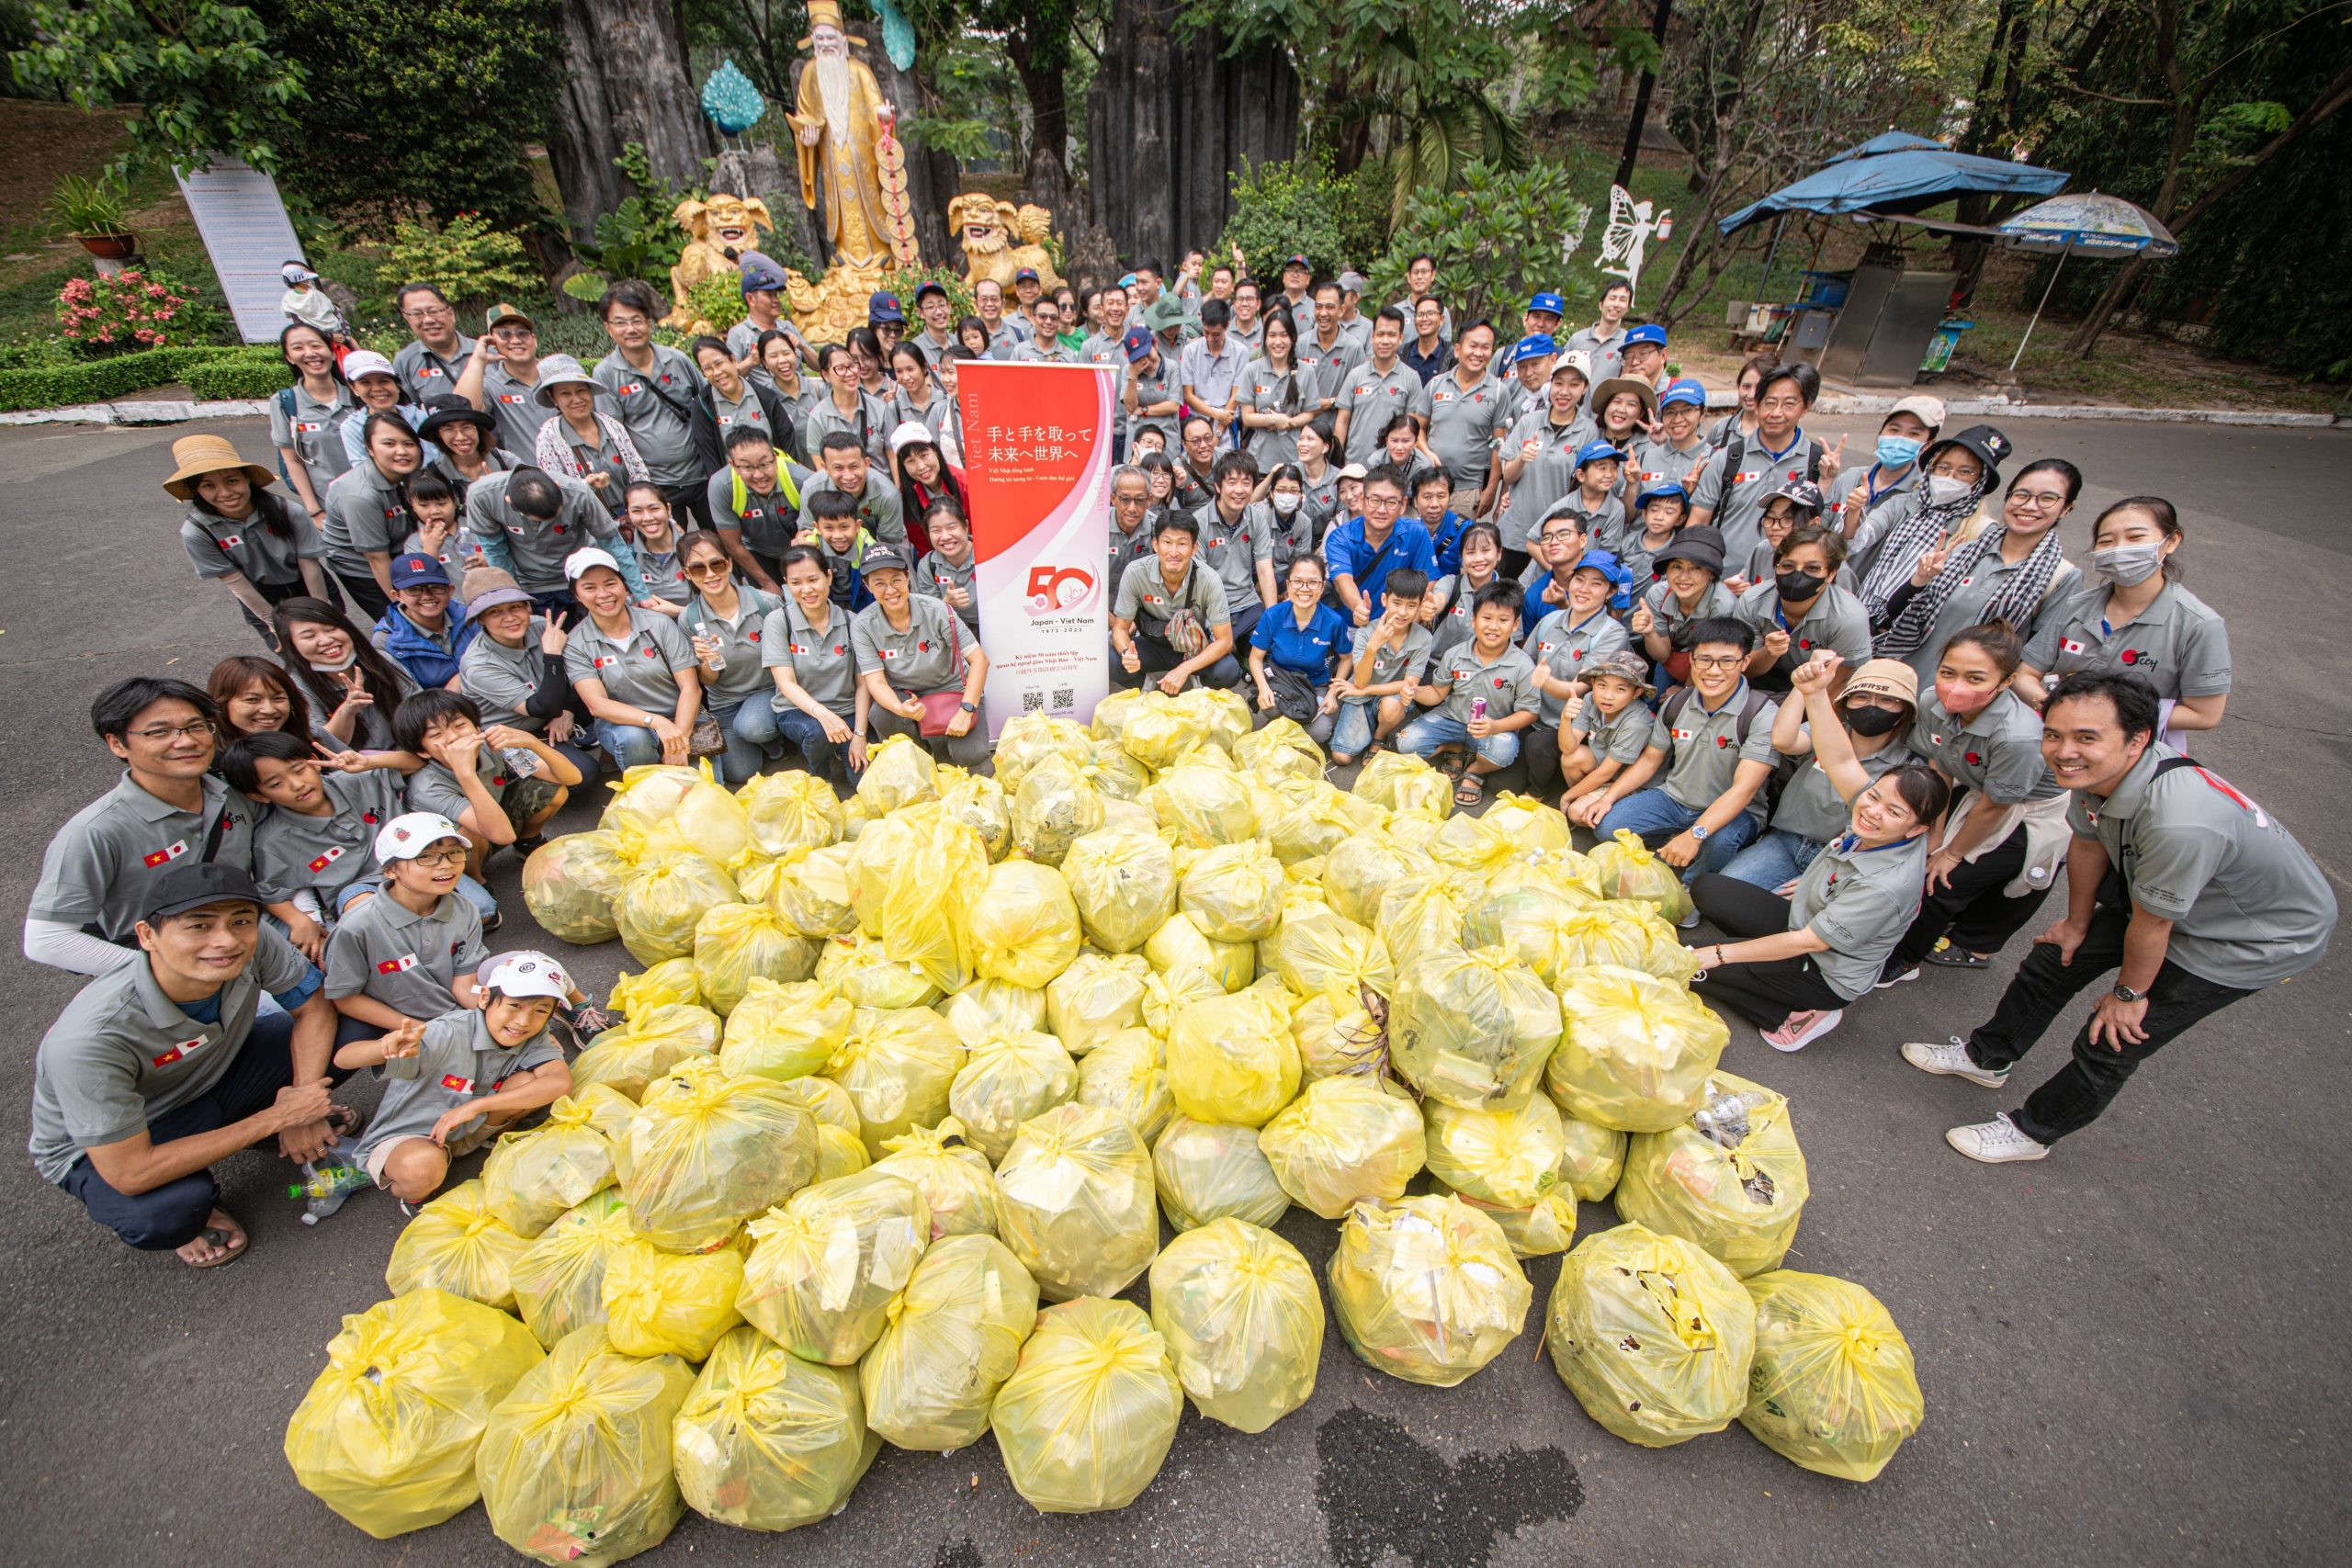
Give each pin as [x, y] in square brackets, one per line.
[1897, 174]
[2084, 223]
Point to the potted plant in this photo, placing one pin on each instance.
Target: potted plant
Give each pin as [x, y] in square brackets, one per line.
[90, 211]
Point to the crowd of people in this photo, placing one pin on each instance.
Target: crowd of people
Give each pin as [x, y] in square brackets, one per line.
[1868, 709]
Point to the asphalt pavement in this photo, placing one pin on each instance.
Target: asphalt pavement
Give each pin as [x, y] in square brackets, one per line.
[2131, 1352]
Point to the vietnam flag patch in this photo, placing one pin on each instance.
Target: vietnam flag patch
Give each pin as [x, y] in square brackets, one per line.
[164, 856]
[394, 966]
[328, 859]
[457, 1085]
[180, 1051]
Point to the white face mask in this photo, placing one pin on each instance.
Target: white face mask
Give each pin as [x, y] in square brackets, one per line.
[348, 660]
[1286, 503]
[1942, 490]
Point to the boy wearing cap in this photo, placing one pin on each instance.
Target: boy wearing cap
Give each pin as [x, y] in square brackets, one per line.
[1641, 356]
[657, 391]
[418, 632]
[260, 547]
[1894, 469]
[459, 1081]
[166, 1066]
[1484, 694]
[1673, 456]
[1604, 734]
[411, 952]
[314, 845]
[429, 363]
[1659, 512]
[1595, 503]
[306, 302]
[505, 382]
[1584, 627]
[1377, 391]
[528, 521]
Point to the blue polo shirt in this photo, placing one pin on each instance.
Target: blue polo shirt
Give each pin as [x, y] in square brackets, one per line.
[1447, 543]
[1308, 649]
[1345, 549]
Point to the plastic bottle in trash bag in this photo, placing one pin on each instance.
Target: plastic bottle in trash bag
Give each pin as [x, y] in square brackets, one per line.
[1634, 1052]
[1243, 1322]
[954, 1335]
[1832, 1387]
[455, 1244]
[1472, 1028]
[1732, 1179]
[1085, 1420]
[324, 1188]
[1426, 1289]
[559, 1281]
[767, 1441]
[1076, 1202]
[1345, 1139]
[1652, 1336]
[705, 1152]
[825, 1265]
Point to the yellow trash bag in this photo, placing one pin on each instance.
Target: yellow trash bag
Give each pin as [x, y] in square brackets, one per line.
[1116, 776]
[957, 1187]
[1281, 750]
[1057, 801]
[912, 882]
[840, 1147]
[1200, 807]
[1472, 1029]
[1634, 1052]
[1234, 892]
[1832, 1388]
[569, 885]
[1094, 998]
[670, 1303]
[1426, 1289]
[707, 1151]
[1112, 711]
[1029, 740]
[559, 1282]
[1006, 1080]
[575, 1461]
[1124, 881]
[955, 1335]
[1731, 1179]
[785, 1030]
[670, 983]
[645, 795]
[1595, 1159]
[1225, 717]
[1534, 925]
[1319, 823]
[1473, 844]
[824, 1267]
[455, 1244]
[898, 1066]
[1361, 869]
[858, 966]
[993, 1007]
[1155, 732]
[1128, 1074]
[1024, 925]
[386, 1436]
[1337, 1035]
[1399, 781]
[1561, 870]
[789, 811]
[1302, 901]
[1243, 1322]
[736, 943]
[1330, 952]
[1415, 831]
[1086, 1418]
[705, 821]
[1165, 995]
[899, 773]
[767, 1441]
[1346, 1139]
[1074, 1201]
[1421, 914]
[1629, 871]
[1180, 943]
[1231, 1059]
[657, 910]
[1544, 1228]
[1652, 1336]
[1528, 824]
[809, 891]
[650, 1043]
[1508, 1158]
[532, 1178]
[1206, 1171]
[980, 804]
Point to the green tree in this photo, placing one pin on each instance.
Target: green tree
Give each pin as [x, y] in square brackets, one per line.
[1502, 234]
[204, 74]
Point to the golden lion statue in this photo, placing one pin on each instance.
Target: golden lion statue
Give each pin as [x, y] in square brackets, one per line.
[988, 227]
[718, 231]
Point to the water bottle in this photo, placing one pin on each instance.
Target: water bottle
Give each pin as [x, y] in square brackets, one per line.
[326, 1187]
[1723, 1119]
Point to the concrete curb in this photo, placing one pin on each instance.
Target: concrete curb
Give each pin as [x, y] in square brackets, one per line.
[164, 412]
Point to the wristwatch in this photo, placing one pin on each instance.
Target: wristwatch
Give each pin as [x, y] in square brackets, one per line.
[967, 707]
[1699, 831]
[2124, 993]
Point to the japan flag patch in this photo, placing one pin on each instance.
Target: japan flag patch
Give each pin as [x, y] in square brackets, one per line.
[164, 856]
[333, 854]
[394, 966]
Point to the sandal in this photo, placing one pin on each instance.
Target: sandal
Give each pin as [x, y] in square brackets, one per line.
[1947, 956]
[1469, 789]
[224, 1234]
[345, 1122]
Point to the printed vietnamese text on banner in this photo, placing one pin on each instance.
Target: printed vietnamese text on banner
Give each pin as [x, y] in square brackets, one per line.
[1037, 468]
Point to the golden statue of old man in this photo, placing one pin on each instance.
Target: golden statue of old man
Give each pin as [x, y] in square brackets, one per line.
[841, 130]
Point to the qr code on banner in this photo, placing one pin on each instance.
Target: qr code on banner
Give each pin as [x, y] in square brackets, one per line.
[1065, 698]
[1032, 702]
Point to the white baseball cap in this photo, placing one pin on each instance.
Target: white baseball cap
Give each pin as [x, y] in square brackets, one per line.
[581, 562]
[411, 832]
[911, 432]
[365, 362]
[525, 972]
[1928, 411]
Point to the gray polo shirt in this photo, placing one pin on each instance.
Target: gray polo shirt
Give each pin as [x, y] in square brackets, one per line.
[1322, 369]
[1031, 352]
[1265, 391]
[1608, 353]
[1219, 376]
[1618, 737]
[1126, 547]
[746, 412]
[123, 1054]
[743, 672]
[1996, 752]
[537, 549]
[823, 663]
[1666, 610]
[423, 373]
[641, 670]
[1809, 805]
[365, 512]
[1371, 399]
[315, 432]
[1604, 526]
[1144, 598]
[326, 854]
[1704, 749]
[218, 547]
[1857, 483]
[102, 866]
[1406, 659]
[1507, 683]
[501, 679]
[934, 575]
[1461, 601]
[2177, 644]
[1563, 648]
[665, 576]
[880, 511]
[457, 1061]
[938, 416]
[869, 422]
[1548, 475]
[1835, 620]
[768, 522]
[926, 657]
[1859, 901]
[408, 961]
[1738, 480]
[1233, 550]
[434, 787]
[656, 403]
[1462, 426]
[1154, 383]
[2247, 905]
[514, 404]
[1653, 463]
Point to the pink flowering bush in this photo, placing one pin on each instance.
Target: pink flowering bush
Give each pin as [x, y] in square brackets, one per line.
[125, 313]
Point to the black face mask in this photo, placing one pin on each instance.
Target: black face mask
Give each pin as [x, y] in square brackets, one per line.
[1797, 584]
[1872, 722]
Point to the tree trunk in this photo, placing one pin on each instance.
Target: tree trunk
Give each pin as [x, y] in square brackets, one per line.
[624, 80]
[1641, 101]
[932, 173]
[1044, 77]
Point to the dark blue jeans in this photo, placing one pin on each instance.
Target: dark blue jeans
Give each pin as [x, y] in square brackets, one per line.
[819, 756]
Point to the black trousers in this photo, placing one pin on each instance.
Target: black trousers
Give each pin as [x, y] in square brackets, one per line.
[2074, 1098]
[1158, 657]
[1970, 908]
[694, 499]
[367, 598]
[1764, 994]
[1538, 748]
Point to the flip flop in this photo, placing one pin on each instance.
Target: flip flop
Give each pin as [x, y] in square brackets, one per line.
[1949, 957]
[231, 1238]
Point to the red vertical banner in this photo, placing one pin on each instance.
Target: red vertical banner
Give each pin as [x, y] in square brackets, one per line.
[1037, 466]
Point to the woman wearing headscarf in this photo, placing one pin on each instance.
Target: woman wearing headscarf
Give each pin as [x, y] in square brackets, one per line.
[582, 442]
[1944, 507]
[2016, 572]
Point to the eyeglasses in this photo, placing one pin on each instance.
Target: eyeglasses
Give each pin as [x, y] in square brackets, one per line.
[439, 857]
[1556, 535]
[162, 735]
[1716, 660]
[705, 568]
[2042, 498]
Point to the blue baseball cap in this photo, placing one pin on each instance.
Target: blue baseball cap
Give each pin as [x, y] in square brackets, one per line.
[1025, 275]
[1684, 391]
[761, 274]
[1137, 343]
[930, 286]
[1299, 261]
[1594, 451]
[1534, 345]
[1127, 280]
[1549, 301]
[1663, 491]
[1651, 333]
[1621, 580]
[884, 307]
[416, 570]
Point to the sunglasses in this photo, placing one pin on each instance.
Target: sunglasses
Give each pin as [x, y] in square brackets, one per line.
[705, 568]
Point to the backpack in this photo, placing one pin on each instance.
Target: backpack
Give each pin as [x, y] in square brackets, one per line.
[1750, 706]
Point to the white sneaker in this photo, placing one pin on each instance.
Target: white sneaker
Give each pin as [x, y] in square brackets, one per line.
[1996, 1142]
[1951, 1060]
[1799, 1030]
